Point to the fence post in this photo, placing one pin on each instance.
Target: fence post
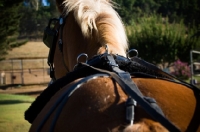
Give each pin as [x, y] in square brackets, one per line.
[3, 78]
[22, 71]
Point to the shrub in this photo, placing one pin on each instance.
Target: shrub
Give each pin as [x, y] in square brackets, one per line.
[159, 41]
[181, 70]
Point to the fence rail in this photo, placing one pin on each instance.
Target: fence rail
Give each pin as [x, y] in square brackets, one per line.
[24, 71]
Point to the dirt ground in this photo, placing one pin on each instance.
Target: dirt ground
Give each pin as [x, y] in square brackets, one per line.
[32, 90]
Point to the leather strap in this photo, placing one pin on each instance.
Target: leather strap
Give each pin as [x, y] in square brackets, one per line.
[157, 70]
[124, 80]
[51, 56]
[61, 101]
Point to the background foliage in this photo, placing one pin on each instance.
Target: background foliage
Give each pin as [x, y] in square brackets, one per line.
[187, 10]
[162, 30]
[23, 20]
[9, 21]
[159, 41]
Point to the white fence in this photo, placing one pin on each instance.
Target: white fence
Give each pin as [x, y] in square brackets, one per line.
[193, 63]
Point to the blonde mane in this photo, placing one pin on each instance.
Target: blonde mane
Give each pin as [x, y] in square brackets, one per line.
[92, 14]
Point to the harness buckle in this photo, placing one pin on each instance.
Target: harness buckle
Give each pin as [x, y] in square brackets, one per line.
[130, 108]
[51, 70]
[110, 63]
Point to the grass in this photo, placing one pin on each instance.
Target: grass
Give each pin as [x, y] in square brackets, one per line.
[29, 50]
[12, 108]
[196, 78]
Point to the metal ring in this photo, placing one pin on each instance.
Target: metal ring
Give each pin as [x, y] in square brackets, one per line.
[106, 47]
[82, 54]
[127, 54]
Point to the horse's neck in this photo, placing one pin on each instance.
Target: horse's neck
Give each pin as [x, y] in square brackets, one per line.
[77, 43]
[110, 34]
[74, 43]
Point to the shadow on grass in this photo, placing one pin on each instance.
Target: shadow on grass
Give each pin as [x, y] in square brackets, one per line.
[4, 87]
[7, 102]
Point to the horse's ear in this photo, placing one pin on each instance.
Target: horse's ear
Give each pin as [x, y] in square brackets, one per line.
[59, 5]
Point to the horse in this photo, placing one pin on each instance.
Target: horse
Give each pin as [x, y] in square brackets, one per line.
[93, 27]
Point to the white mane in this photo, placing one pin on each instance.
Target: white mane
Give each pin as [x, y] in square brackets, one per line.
[86, 12]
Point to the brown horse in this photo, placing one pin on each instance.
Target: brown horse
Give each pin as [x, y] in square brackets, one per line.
[99, 104]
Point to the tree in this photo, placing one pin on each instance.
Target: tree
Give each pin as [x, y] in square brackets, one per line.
[33, 4]
[175, 10]
[125, 10]
[28, 22]
[9, 24]
[146, 6]
[53, 8]
[34, 21]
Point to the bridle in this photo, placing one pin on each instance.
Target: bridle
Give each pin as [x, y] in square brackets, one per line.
[50, 39]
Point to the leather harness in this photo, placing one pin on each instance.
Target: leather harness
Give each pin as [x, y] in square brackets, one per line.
[104, 65]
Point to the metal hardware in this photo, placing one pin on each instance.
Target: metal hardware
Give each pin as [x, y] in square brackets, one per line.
[61, 21]
[82, 54]
[127, 54]
[106, 47]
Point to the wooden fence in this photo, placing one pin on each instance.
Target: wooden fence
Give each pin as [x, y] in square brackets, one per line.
[24, 71]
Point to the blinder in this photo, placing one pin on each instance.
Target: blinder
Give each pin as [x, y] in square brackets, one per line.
[50, 33]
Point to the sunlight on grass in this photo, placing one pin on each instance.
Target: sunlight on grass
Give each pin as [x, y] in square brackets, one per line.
[12, 108]
[38, 49]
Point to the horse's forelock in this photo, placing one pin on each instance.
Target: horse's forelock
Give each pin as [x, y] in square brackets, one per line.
[87, 12]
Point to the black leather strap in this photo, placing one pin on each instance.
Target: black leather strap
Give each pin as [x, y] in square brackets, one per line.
[51, 56]
[124, 80]
[61, 101]
[130, 110]
[157, 70]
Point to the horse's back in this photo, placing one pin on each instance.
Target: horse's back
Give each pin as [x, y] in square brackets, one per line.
[99, 105]
[179, 103]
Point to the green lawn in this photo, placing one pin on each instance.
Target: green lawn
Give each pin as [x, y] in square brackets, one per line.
[194, 77]
[12, 108]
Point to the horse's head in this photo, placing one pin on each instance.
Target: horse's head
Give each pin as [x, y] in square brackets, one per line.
[88, 26]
